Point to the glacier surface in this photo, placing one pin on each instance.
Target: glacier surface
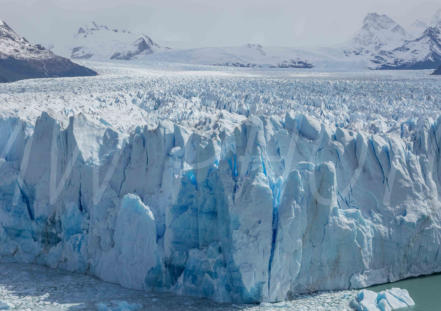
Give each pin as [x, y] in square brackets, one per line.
[163, 182]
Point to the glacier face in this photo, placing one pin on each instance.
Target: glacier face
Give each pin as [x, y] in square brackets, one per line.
[260, 208]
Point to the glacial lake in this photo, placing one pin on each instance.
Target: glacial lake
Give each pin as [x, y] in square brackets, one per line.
[425, 291]
[37, 288]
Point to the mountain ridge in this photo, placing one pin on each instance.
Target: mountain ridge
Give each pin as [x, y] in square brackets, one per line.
[378, 32]
[380, 43]
[387, 45]
[19, 59]
[101, 42]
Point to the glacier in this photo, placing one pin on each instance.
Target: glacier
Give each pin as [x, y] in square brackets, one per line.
[232, 206]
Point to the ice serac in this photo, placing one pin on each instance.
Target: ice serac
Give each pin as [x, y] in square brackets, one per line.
[134, 250]
[260, 209]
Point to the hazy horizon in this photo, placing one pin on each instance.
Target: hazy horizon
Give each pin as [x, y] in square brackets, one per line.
[200, 23]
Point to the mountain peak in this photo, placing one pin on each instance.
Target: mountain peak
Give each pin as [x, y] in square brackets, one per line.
[94, 27]
[103, 42]
[378, 32]
[5, 26]
[8, 32]
[373, 16]
[12, 44]
[379, 20]
[375, 23]
[432, 33]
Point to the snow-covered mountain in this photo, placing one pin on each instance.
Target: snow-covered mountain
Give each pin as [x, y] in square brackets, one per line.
[423, 52]
[19, 59]
[386, 45]
[437, 71]
[379, 32]
[105, 43]
[100, 42]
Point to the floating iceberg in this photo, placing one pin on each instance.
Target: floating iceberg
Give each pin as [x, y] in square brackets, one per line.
[4, 306]
[388, 300]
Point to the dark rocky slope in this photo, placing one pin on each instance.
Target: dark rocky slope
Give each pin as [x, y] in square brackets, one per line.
[20, 59]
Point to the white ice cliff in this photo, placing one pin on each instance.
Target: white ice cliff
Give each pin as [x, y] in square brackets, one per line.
[259, 210]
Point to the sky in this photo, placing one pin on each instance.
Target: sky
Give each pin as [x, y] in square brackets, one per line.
[198, 23]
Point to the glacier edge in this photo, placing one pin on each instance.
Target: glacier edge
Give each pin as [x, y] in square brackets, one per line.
[261, 211]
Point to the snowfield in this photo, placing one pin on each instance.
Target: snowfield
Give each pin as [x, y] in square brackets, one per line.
[126, 96]
[236, 185]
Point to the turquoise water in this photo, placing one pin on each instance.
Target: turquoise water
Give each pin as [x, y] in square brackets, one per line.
[425, 291]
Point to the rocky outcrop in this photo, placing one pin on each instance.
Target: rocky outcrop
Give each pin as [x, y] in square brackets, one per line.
[19, 60]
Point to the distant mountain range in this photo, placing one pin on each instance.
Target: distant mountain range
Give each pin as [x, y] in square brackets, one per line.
[101, 42]
[19, 59]
[381, 43]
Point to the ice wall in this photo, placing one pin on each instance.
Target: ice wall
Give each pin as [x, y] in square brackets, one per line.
[259, 210]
